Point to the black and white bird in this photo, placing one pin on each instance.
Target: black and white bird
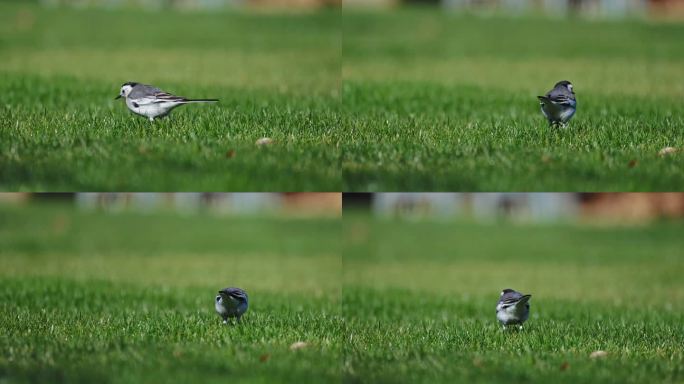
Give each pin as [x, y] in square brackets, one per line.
[231, 303]
[152, 102]
[513, 308]
[559, 104]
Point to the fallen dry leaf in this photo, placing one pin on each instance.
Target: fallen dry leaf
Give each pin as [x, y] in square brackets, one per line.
[564, 366]
[632, 163]
[298, 345]
[598, 354]
[667, 151]
[230, 154]
[264, 358]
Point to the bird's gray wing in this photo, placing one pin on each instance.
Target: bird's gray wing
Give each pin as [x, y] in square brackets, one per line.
[560, 96]
[145, 100]
[140, 91]
[235, 292]
[147, 94]
[510, 297]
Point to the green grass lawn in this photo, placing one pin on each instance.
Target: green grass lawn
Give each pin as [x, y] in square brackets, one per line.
[126, 297]
[277, 75]
[119, 298]
[419, 301]
[442, 101]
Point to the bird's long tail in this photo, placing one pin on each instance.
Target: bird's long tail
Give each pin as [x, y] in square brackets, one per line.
[200, 101]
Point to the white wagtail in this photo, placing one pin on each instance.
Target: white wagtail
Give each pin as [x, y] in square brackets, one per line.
[513, 308]
[151, 102]
[559, 104]
[231, 303]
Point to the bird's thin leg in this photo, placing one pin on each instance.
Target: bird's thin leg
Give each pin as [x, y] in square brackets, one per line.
[520, 327]
[151, 119]
[225, 321]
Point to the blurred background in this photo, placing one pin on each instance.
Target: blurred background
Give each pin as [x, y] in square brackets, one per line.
[604, 8]
[182, 239]
[290, 204]
[619, 248]
[287, 46]
[609, 8]
[195, 4]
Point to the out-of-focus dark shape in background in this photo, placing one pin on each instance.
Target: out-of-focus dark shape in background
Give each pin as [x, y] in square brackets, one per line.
[357, 200]
[622, 207]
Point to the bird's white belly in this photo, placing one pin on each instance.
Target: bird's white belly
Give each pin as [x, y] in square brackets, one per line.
[150, 110]
[512, 314]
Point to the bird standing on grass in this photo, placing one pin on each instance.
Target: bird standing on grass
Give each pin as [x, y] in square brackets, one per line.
[559, 104]
[152, 102]
[513, 308]
[231, 303]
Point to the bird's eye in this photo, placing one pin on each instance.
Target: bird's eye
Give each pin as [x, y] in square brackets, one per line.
[218, 298]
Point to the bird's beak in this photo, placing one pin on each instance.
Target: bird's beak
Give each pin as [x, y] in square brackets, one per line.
[117, 97]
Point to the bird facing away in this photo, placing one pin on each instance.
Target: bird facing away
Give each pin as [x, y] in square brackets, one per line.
[152, 102]
[559, 104]
[513, 308]
[231, 303]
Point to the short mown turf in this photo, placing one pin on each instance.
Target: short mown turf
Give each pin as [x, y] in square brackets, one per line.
[447, 101]
[419, 301]
[123, 297]
[276, 75]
